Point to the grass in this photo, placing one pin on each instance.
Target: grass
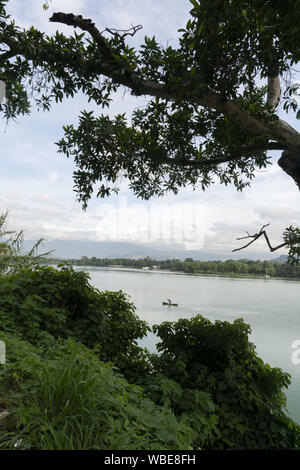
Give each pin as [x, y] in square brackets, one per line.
[76, 402]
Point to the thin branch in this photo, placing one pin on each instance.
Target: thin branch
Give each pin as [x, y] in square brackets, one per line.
[258, 235]
[126, 32]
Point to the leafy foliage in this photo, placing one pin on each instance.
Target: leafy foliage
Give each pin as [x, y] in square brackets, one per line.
[291, 237]
[154, 153]
[217, 359]
[45, 302]
[11, 259]
[74, 401]
[57, 326]
[185, 132]
[205, 118]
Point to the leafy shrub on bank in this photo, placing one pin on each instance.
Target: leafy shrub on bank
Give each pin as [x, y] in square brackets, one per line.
[60, 303]
[74, 401]
[207, 374]
[218, 359]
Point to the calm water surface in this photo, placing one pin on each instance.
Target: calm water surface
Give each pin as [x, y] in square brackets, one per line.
[271, 307]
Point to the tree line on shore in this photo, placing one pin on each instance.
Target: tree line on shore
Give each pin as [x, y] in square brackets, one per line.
[236, 267]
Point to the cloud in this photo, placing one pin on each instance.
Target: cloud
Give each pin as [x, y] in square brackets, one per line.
[159, 18]
[31, 13]
[53, 176]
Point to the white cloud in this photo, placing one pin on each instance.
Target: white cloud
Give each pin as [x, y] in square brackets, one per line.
[31, 13]
[53, 176]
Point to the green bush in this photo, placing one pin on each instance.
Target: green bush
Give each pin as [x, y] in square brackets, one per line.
[218, 359]
[43, 301]
[74, 401]
[206, 388]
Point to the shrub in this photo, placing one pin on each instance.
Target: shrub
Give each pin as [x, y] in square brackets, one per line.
[61, 303]
[218, 359]
[57, 326]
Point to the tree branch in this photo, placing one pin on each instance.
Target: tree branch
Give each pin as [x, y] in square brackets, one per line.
[258, 235]
[84, 25]
[290, 163]
[234, 156]
[274, 92]
[126, 32]
[250, 124]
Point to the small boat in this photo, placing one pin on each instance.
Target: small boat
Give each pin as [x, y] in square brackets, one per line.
[170, 303]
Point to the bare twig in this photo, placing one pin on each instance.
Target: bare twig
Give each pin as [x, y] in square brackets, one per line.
[127, 32]
[256, 236]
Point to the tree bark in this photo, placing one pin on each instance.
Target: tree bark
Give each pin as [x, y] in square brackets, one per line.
[290, 163]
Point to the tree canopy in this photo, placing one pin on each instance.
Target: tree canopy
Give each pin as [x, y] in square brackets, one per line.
[212, 109]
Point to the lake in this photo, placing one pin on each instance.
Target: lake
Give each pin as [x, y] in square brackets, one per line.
[270, 306]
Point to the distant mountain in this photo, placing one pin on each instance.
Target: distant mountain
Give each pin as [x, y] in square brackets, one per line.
[77, 248]
[280, 259]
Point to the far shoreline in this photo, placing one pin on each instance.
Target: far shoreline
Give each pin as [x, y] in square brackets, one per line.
[168, 271]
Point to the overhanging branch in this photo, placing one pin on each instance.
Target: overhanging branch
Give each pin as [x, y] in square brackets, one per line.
[258, 128]
[207, 99]
[231, 157]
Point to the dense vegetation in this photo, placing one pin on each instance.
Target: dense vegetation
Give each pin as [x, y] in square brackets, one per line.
[75, 377]
[241, 267]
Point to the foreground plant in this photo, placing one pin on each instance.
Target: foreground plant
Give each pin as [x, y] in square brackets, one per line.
[12, 259]
[76, 402]
[205, 389]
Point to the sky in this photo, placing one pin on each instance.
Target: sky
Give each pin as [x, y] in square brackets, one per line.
[36, 182]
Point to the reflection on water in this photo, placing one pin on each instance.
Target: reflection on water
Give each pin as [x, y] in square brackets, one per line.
[271, 307]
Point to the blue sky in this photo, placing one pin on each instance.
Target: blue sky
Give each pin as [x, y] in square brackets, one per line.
[36, 182]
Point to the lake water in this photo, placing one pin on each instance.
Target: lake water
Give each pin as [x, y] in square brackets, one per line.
[271, 307]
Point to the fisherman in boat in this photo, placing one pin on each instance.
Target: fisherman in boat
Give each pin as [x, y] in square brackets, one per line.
[169, 303]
